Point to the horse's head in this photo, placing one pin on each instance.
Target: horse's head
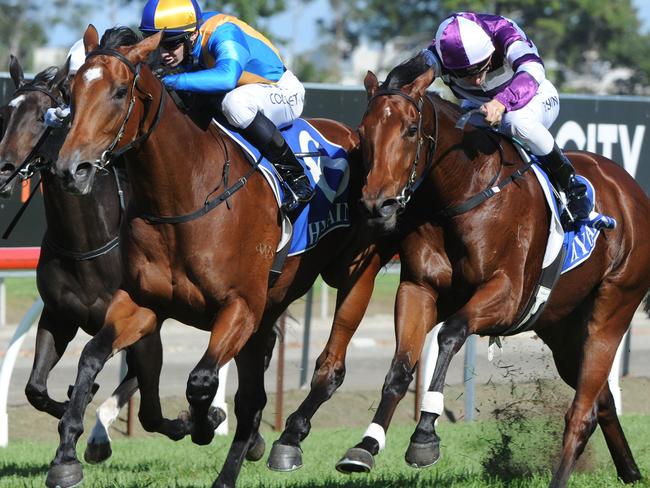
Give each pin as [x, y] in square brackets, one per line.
[397, 147]
[23, 120]
[109, 104]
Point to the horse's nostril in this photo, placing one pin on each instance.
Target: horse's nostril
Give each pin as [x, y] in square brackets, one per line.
[7, 167]
[83, 170]
[388, 207]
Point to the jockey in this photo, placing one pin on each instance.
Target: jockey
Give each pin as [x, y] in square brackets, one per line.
[489, 63]
[220, 54]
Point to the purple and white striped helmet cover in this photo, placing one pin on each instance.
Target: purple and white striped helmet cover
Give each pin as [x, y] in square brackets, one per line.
[461, 42]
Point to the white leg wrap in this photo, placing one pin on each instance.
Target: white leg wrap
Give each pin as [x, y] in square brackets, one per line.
[433, 402]
[376, 431]
[106, 415]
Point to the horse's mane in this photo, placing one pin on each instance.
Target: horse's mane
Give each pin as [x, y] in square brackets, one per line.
[405, 72]
[43, 78]
[119, 36]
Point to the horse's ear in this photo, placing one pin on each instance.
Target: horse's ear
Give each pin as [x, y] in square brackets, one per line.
[60, 80]
[141, 51]
[16, 71]
[421, 83]
[91, 38]
[371, 83]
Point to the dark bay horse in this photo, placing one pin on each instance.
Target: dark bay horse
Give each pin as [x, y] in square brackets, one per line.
[211, 272]
[412, 149]
[79, 267]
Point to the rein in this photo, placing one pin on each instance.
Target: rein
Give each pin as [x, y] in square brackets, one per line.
[109, 154]
[32, 163]
[411, 183]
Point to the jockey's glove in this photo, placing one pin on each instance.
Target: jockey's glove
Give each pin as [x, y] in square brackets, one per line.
[57, 117]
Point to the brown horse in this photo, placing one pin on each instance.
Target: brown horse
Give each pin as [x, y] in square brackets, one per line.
[496, 245]
[79, 267]
[212, 271]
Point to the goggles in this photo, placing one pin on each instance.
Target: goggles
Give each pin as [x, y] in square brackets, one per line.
[172, 42]
[474, 70]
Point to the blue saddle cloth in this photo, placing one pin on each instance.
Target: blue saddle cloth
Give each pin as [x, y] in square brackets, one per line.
[580, 236]
[328, 172]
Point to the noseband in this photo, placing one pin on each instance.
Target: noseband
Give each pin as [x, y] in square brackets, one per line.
[110, 153]
[411, 183]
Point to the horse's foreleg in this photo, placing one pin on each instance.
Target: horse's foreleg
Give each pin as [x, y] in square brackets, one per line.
[415, 315]
[352, 300]
[125, 324]
[233, 327]
[482, 311]
[613, 311]
[98, 446]
[250, 400]
[52, 338]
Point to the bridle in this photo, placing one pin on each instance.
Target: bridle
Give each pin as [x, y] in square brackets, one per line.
[109, 154]
[412, 183]
[33, 162]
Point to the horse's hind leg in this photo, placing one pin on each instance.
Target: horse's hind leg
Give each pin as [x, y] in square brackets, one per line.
[415, 315]
[626, 467]
[352, 301]
[125, 324]
[566, 348]
[612, 313]
[250, 400]
[52, 338]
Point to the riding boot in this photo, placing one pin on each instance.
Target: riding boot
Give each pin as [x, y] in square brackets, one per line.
[264, 135]
[561, 170]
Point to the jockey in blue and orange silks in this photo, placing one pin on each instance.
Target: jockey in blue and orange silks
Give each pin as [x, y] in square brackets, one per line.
[489, 63]
[220, 54]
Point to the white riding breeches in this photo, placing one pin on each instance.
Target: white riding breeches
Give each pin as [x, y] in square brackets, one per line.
[281, 102]
[530, 123]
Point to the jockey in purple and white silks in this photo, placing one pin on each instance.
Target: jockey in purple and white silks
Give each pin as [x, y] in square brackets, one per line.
[220, 54]
[489, 63]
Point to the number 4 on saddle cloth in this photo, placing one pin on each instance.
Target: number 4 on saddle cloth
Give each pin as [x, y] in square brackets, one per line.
[327, 168]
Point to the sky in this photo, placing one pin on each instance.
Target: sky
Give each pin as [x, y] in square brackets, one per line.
[298, 24]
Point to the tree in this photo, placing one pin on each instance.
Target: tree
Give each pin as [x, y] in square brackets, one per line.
[574, 35]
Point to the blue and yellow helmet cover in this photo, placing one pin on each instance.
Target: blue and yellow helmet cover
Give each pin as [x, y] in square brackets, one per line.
[175, 16]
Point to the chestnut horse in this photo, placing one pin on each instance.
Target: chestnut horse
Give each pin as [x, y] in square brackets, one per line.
[212, 271]
[79, 268]
[412, 148]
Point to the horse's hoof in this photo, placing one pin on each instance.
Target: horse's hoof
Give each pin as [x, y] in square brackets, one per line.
[64, 475]
[423, 455]
[256, 451]
[284, 457]
[97, 453]
[356, 460]
[204, 435]
[216, 415]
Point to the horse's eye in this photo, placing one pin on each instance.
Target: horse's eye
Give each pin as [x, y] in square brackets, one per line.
[412, 131]
[121, 93]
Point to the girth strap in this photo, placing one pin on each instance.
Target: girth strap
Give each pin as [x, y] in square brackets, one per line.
[479, 198]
